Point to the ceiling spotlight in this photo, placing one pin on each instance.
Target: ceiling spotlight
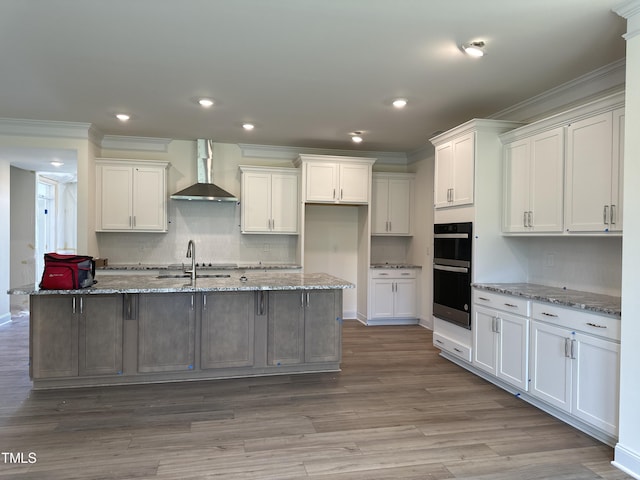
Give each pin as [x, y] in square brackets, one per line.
[57, 163]
[400, 102]
[356, 136]
[123, 117]
[248, 126]
[474, 49]
[205, 102]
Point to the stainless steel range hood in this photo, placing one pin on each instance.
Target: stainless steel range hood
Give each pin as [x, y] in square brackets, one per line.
[205, 188]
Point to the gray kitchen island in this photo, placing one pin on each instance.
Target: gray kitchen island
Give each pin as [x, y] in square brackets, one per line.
[130, 329]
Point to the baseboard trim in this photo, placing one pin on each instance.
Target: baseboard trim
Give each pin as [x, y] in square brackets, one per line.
[626, 460]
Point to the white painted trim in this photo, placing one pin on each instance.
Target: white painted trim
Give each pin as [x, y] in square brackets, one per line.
[147, 144]
[628, 9]
[577, 90]
[626, 460]
[291, 153]
[6, 318]
[41, 128]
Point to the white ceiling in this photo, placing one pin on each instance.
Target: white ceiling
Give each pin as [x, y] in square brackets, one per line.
[306, 72]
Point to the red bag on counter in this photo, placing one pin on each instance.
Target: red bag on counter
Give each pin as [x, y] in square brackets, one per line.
[67, 272]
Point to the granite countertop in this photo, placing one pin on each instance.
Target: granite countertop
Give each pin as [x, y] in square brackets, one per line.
[595, 302]
[110, 284]
[203, 266]
[394, 265]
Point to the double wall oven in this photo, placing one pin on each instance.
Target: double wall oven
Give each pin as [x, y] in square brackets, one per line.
[452, 272]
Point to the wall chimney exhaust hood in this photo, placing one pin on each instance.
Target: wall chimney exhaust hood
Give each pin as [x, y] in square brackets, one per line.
[205, 188]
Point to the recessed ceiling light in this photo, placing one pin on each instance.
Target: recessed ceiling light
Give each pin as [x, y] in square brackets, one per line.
[248, 126]
[400, 102]
[123, 117]
[205, 102]
[356, 139]
[57, 163]
[474, 49]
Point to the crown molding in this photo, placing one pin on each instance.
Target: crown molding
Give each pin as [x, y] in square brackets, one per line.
[145, 144]
[605, 78]
[291, 153]
[631, 11]
[44, 128]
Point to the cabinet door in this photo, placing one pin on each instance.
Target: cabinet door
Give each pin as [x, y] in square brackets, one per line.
[400, 207]
[322, 326]
[149, 199]
[380, 206]
[256, 202]
[322, 182]
[166, 332]
[485, 340]
[463, 169]
[516, 187]
[550, 365]
[100, 334]
[404, 305]
[513, 348]
[354, 183]
[116, 187]
[54, 336]
[546, 177]
[596, 386]
[443, 175]
[382, 291]
[285, 329]
[284, 203]
[617, 171]
[227, 329]
[588, 180]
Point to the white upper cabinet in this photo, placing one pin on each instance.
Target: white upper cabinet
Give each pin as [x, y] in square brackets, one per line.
[454, 171]
[270, 200]
[335, 179]
[392, 204]
[595, 159]
[131, 195]
[533, 188]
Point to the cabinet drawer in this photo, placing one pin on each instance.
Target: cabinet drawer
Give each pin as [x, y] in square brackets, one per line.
[452, 347]
[506, 303]
[393, 273]
[580, 320]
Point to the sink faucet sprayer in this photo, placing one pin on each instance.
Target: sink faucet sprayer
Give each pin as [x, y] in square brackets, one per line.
[191, 253]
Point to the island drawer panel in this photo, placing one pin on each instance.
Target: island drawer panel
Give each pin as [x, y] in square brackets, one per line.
[393, 273]
[580, 320]
[507, 303]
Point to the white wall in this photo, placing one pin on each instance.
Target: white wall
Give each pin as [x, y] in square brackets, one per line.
[23, 234]
[5, 226]
[627, 451]
[591, 264]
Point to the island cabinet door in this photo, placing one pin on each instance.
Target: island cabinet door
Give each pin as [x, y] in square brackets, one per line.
[227, 329]
[285, 328]
[54, 336]
[100, 334]
[322, 326]
[166, 332]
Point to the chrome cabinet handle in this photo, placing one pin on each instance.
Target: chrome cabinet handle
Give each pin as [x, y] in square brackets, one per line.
[530, 218]
[73, 304]
[612, 220]
[192, 301]
[567, 348]
[573, 354]
[334, 193]
[390, 229]
[341, 194]
[204, 301]
[605, 214]
[439, 341]
[524, 220]
[549, 315]
[511, 305]
[307, 299]
[485, 299]
[457, 350]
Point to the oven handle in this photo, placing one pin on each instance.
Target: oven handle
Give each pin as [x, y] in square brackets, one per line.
[447, 268]
[451, 235]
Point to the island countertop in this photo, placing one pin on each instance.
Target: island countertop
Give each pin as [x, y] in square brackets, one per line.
[109, 284]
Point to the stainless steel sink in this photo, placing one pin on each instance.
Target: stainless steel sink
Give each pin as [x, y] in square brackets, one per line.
[198, 275]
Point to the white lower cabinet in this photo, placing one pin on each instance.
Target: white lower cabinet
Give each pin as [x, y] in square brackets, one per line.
[393, 296]
[501, 339]
[575, 371]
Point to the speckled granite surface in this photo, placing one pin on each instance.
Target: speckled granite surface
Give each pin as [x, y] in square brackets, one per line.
[208, 266]
[394, 265]
[594, 302]
[110, 284]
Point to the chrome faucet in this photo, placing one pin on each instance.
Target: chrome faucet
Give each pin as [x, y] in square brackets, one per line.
[191, 253]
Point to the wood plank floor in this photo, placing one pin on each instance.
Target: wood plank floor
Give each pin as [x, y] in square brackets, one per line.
[396, 411]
